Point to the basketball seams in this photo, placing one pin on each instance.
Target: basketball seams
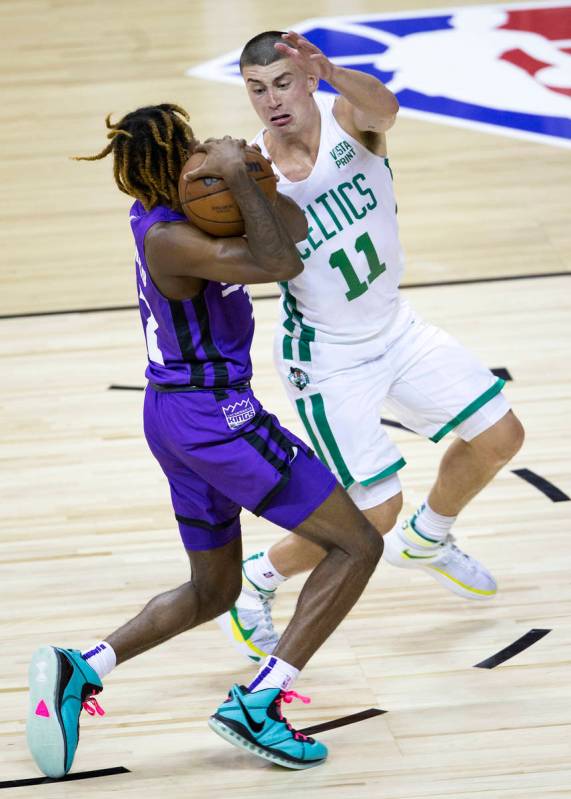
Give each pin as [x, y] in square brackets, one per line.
[263, 179]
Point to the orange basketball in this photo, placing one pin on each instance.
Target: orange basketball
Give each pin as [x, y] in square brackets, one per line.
[209, 203]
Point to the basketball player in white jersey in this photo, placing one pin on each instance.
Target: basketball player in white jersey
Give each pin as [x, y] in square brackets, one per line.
[348, 343]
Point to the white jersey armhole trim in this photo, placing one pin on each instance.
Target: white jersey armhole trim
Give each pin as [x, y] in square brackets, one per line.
[326, 101]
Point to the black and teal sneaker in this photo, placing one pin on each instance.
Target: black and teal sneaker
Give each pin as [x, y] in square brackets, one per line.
[61, 684]
[255, 722]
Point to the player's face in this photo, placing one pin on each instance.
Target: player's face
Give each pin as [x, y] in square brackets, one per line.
[280, 94]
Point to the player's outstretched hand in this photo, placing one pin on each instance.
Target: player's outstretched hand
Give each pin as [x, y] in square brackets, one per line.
[305, 55]
[222, 157]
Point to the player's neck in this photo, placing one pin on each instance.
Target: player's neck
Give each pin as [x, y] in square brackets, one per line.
[295, 153]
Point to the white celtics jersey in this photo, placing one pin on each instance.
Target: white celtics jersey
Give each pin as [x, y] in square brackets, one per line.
[353, 262]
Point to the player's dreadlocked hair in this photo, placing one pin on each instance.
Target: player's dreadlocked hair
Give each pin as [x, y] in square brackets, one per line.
[150, 146]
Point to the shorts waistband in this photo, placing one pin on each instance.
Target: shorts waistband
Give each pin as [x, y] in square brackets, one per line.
[170, 388]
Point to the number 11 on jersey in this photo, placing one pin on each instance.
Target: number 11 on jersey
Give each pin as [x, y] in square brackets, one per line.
[340, 260]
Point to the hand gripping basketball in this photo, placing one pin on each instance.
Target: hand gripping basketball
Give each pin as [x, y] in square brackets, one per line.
[206, 199]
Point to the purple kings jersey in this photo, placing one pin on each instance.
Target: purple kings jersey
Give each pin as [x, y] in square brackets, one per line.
[204, 341]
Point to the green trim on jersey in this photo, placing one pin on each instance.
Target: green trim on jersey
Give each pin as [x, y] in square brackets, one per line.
[295, 317]
[388, 166]
[470, 409]
[318, 409]
[300, 404]
[385, 473]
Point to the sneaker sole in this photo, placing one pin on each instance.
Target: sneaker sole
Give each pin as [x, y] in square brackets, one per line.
[457, 587]
[451, 583]
[242, 743]
[44, 733]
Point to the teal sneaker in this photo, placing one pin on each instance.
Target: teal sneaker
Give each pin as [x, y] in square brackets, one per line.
[255, 722]
[61, 684]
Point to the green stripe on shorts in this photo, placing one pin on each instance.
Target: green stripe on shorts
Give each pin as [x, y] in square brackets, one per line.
[470, 409]
[300, 404]
[287, 348]
[318, 408]
[394, 467]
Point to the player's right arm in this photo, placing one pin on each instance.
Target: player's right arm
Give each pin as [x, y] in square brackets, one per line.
[176, 251]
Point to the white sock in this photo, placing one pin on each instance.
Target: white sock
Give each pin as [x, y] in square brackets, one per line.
[101, 658]
[260, 571]
[427, 528]
[274, 673]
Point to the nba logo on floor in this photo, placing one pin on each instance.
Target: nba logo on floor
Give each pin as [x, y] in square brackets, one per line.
[499, 68]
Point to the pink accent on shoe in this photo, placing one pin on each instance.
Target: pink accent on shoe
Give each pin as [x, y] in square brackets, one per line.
[288, 697]
[92, 706]
[42, 709]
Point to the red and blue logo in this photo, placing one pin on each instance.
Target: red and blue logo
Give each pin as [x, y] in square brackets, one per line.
[501, 68]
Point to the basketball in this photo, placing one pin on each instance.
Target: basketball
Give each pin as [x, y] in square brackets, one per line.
[207, 201]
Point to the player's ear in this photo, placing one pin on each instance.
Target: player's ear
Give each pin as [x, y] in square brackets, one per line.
[312, 83]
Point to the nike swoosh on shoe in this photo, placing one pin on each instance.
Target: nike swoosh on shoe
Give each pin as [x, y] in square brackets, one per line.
[243, 631]
[255, 726]
[406, 554]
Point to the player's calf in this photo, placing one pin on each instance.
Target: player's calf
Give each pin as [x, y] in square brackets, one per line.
[353, 550]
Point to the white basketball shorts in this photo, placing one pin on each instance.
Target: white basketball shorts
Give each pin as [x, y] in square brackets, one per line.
[427, 380]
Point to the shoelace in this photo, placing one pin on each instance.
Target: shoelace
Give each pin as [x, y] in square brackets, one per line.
[92, 706]
[267, 601]
[288, 697]
[267, 624]
[456, 553]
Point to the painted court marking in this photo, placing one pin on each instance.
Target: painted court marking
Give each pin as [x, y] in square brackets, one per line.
[80, 775]
[511, 74]
[551, 491]
[527, 640]
[343, 721]
[404, 286]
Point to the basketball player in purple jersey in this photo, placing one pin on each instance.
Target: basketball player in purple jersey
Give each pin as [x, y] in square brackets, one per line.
[219, 449]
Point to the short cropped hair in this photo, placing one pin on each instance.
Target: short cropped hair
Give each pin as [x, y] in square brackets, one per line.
[260, 50]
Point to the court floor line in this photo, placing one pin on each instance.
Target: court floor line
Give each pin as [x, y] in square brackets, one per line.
[524, 642]
[405, 286]
[79, 775]
[343, 721]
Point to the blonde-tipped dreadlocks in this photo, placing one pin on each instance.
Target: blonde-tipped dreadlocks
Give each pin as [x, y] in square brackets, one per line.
[150, 146]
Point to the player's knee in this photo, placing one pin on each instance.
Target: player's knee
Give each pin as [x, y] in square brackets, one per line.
[393, 508]
[227, 597]
[508, 439]
[369, 545]
[217, 598]
[518, 435]
[384, 517]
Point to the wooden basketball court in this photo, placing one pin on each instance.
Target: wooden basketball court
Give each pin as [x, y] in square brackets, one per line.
[87, 530]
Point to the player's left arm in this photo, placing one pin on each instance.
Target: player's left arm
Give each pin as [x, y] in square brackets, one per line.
[365, 105]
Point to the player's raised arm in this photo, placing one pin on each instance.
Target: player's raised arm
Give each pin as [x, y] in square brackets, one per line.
[364, 103]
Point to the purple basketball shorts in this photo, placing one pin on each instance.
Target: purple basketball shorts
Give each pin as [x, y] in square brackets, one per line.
[220, 455]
